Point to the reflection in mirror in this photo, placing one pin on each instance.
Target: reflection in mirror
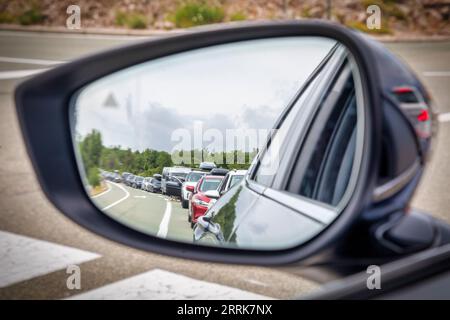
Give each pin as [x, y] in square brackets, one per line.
[172, 146]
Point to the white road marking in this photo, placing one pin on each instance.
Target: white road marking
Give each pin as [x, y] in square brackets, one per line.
[16, 74]
[127, 194]
[104, 192]
[444, 117]
[66, 35]
[164, 226]
[436, 73]
[23, 258]
[30, 61]
[256, 282]
[162, 285]
[141, 197]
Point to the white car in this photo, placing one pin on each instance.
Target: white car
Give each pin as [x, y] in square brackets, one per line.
[191, 181]
[232, 178]
[146, 183]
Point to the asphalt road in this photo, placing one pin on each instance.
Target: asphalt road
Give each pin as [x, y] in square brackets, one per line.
[148, 212]
[24, 210]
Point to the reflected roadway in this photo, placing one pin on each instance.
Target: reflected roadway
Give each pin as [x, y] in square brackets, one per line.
[148, 212]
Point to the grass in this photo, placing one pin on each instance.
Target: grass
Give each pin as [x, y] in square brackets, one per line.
[238, 16]
[31, 16]
[197, 13]
[93, 177]
[98, 189]
[6, 17]
[120, 18]
[131, 20]
[306, 12]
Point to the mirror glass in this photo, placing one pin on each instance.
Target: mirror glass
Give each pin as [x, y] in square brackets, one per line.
[178, 147]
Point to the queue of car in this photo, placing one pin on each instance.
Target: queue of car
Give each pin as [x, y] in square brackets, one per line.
[208, 189]
[197, 189]
[111, 176]
[199, 202]
[191, 181]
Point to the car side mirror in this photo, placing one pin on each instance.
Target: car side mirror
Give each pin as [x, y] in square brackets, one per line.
[322, 181]
[213, 194]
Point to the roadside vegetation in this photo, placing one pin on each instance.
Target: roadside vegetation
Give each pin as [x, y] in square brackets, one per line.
[238, 16]
[91, 149]
[147, 162]
[235, 159]
[197, 13]
[131, 20]
[398, 17]
[29, 15]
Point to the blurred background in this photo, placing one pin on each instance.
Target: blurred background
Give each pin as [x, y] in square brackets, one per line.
[410, 17]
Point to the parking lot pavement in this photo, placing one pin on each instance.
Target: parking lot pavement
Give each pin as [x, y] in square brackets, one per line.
[148, 212]
[24, 210]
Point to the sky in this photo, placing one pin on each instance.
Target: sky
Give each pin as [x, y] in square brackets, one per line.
[191, 99]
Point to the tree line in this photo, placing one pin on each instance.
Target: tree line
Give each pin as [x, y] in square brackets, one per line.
[146, 163]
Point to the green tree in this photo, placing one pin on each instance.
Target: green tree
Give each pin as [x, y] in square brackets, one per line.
[164, 160]
[93, 177]
[91, 149]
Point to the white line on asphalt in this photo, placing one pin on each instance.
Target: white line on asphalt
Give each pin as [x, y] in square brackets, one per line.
[66, 35]
[104, 192]
[4, 75]
[256, 282]
[164, 226]
[23, 258]
[142, 197]
[444, 117]
[127, 194]
[160, 284]
[436, 73]
[30, 61]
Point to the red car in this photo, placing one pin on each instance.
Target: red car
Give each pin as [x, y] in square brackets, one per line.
[198, 203]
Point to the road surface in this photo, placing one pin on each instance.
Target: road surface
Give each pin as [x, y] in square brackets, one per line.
[37, 243]
[148, 212]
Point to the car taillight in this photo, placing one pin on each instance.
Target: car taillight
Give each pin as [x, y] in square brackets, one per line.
[403, 90]
[423, 115]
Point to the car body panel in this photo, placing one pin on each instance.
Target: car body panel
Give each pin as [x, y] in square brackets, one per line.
[245, 216]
